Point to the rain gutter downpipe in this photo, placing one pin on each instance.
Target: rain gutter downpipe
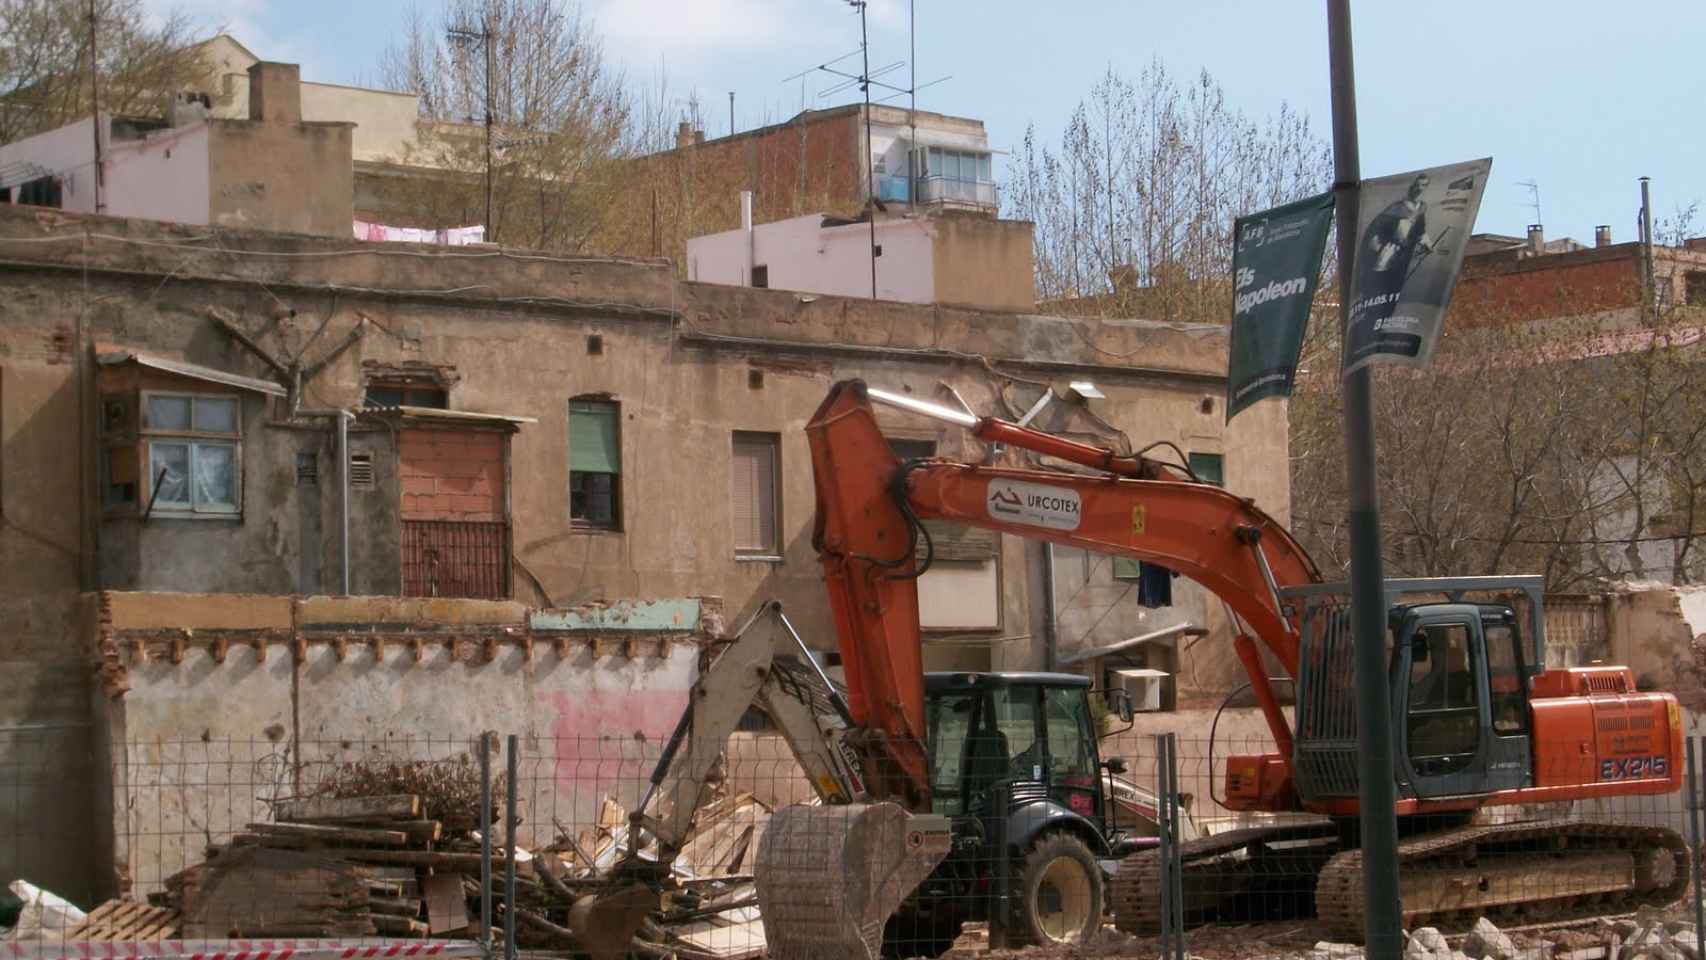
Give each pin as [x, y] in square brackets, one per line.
[343, 418]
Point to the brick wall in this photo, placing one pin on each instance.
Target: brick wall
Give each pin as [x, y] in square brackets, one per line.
[451, 474]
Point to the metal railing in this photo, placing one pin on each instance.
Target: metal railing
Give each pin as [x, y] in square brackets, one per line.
[936, 189]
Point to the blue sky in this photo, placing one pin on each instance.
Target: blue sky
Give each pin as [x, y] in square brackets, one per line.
[1580, 97]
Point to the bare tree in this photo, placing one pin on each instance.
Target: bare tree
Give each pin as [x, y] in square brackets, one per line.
[1141, 191]
[560, 118]
[45, 56]
[1543, 438]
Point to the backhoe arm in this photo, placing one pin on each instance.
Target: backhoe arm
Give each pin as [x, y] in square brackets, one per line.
[866, 533]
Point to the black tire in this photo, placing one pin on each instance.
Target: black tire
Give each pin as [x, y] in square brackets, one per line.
[1060, 892]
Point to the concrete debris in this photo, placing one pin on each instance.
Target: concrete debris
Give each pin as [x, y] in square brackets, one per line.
[712, 911]
[1427, 943]
[44, 916]
[1328, 950]
[1487, 942]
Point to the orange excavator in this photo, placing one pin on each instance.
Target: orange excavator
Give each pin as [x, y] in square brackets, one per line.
[1478, 720]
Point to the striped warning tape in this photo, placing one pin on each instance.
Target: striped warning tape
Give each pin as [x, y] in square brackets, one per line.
[236, 949]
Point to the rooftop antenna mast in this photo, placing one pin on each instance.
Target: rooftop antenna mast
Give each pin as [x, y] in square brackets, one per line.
[1534, 198]
[463, 35]
[865, 79]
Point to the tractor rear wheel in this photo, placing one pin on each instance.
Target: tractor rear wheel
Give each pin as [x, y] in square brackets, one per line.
[1060, 891]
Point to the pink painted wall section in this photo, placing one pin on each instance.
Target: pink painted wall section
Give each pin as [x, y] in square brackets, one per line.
[805, 256]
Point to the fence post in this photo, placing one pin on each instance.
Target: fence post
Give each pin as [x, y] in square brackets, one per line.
[511, 749]
[1167, 829]
[485, 845]
[1692, 808]
[1001, 803]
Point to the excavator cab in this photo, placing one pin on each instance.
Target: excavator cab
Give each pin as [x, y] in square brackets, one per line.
[1459, 698]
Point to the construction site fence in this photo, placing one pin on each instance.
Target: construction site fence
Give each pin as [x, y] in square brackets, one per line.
[498, 835]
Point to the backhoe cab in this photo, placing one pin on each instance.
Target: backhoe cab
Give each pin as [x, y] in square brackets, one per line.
[1014, 762]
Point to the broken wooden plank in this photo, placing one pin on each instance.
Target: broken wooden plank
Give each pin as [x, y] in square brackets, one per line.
[396, 926]
[405, 806]
[330, 834]
[447, 907]
[419, 831]
[394, 906]
[468, 862]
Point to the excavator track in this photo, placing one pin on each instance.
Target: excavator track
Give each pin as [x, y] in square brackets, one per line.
[1513, 873]
[1243, 874]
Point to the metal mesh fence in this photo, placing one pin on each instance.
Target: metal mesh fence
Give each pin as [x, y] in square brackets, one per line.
[511, 843]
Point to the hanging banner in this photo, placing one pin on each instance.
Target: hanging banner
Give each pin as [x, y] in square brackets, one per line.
[1276, 262]
[1412, 230]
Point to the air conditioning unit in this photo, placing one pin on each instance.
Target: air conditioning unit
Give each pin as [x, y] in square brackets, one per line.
[1144, 684]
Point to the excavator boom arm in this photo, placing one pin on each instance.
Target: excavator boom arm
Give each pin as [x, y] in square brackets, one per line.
[869, 505]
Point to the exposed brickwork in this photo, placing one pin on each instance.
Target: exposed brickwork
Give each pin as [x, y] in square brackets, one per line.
[451, 474]
[1545, 287]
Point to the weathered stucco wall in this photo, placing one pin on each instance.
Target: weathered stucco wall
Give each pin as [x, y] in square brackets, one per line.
[215, 705]
[688, 363]
[984, 261]
[294, 177]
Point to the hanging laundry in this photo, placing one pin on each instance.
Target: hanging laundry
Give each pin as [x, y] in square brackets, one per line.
[1154, 585]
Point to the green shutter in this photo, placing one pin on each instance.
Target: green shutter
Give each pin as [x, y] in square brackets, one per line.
[1209, 468]
[592, 437]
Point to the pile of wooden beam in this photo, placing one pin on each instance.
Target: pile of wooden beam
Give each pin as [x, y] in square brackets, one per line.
[354, 866]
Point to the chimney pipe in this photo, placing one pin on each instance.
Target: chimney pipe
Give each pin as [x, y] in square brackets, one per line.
[1536, 239]
[1647, 242]
[746, 225]
[1602, 235]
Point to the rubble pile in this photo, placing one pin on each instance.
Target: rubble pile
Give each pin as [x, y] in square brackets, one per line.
[710, 911]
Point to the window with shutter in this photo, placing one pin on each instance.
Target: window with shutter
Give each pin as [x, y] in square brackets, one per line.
[595, 465]
[752, 494]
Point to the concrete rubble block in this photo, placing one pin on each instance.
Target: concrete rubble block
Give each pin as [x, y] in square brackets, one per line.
[1543, 950]
[197, 611]
[1685, 943]
[1328, 950]
[1427, 943]
[1486, 941]
[1674, 927]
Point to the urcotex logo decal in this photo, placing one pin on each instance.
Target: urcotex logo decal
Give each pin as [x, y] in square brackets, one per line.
[1034, 504]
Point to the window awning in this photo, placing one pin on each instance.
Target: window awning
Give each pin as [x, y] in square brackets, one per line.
[1142, 673]
[192, 370]
[459, 417]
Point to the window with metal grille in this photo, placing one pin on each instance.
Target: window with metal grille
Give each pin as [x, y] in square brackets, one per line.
[595, 465]
[752, 494]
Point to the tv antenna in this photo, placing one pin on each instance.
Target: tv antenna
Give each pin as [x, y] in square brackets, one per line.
[1534, 198]
[865, 79]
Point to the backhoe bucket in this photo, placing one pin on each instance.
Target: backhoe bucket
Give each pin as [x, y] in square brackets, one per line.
[829, 877]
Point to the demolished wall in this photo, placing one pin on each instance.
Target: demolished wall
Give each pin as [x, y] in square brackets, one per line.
[216, 706]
